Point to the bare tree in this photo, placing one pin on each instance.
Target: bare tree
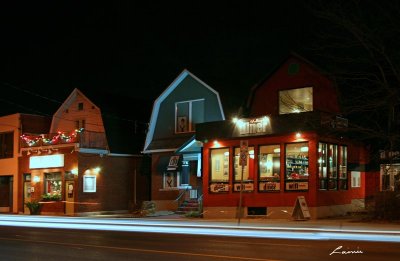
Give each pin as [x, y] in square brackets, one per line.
[358, 42]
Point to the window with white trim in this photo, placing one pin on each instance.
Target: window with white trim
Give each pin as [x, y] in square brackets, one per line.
[187, 114]
[355, 179]
[89, 183]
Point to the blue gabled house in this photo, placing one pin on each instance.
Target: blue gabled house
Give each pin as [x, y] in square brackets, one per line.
[170, 141]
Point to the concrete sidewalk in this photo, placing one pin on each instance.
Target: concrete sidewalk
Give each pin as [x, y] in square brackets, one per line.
[344, 224]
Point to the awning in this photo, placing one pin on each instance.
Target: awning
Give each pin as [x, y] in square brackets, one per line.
[169, 163]
[173, 163]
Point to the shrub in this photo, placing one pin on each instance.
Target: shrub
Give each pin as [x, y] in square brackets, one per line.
[34, 207]
[386, 206]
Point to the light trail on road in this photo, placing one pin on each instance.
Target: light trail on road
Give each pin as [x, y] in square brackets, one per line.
[182, 227]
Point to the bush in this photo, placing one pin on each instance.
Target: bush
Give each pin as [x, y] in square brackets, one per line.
[34, 207]
[386, 206]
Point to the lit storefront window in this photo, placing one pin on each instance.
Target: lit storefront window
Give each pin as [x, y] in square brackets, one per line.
[343, 178]
[52, 183]
[248, 170]
[219, 169]
[296, 157]
[390, 177]
[328, 160]
[269, 168]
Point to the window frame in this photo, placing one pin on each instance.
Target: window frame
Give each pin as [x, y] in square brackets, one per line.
[87, 189]
[269, 184]
[299, 184]
[332, 174]
[220, 185]
[189, 119]
[5, 138]
[294, 89]
[236, 166]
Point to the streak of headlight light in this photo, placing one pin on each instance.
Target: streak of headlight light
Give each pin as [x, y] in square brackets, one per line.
[210, 231]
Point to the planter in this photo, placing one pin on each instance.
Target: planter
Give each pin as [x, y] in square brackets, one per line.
[34, 207]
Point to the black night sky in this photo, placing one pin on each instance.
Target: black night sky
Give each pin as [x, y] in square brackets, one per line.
[123, 54]
[126, 50]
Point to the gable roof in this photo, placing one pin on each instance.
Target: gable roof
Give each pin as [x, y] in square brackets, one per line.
[67, 103]
[275, 69]
[156, 105]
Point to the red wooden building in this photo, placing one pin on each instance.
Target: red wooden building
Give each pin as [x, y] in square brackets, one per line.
[291, 144]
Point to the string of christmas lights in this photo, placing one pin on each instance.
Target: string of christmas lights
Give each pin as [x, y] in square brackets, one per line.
[60, 137]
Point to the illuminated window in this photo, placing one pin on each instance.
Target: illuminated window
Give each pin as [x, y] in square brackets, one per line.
[89, 183]
[269, 168]
[187, 114]
[220, 165]
[296, 100]
[390, 177]
[296, 177]
[52, 185]
[6, 145]
[355, 179]
[171, 180]
[329, 158]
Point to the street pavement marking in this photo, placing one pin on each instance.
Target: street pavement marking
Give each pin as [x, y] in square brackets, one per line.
[140, 250]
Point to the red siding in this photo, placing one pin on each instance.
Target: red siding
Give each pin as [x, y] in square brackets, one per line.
[265, 97]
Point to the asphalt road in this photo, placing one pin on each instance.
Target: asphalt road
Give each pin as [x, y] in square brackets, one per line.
[26, 243]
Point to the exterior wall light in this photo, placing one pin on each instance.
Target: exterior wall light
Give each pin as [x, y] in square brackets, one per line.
[298, 135]
[96, 170]
[36, 179]
[74, 171]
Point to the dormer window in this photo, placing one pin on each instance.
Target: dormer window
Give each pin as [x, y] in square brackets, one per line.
[187, 114]
[80, 106]
[296, 100]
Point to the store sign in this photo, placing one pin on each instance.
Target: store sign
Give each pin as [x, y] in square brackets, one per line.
[269, 186]
[246, 187]
[296, 185]
[218, 187]
[253, 126]
[48, 161]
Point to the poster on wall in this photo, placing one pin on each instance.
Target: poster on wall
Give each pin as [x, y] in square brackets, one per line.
[218, 187]
[269, 186]
[247, 187]
[296, 185]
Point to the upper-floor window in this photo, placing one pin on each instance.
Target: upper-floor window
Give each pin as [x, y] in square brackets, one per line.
[187, 114]
[80, 124]
[80, 106]
[296, 100]
[6, 145]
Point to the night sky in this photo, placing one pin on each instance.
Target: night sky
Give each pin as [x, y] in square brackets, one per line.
[123, 54]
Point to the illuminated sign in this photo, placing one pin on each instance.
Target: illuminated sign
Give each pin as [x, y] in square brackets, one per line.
[48, 161]
[269, 186]
[252, 126]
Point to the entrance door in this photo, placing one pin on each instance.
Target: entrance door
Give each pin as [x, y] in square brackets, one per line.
[69, 198]
[27, 191]
[5, 193]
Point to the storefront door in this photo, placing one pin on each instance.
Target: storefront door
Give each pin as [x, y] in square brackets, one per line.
[69, 197]
[6, 193]
[27, 192]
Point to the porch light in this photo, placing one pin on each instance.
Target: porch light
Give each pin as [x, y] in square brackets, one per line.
[298, 135]
[216, 143]
[235, 119]
[96, 170]
[74, 171]
[36, 179]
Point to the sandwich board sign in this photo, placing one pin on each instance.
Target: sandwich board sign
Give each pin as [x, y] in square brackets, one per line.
[300, 210]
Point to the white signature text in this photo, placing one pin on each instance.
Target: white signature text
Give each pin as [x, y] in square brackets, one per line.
[346, 252]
